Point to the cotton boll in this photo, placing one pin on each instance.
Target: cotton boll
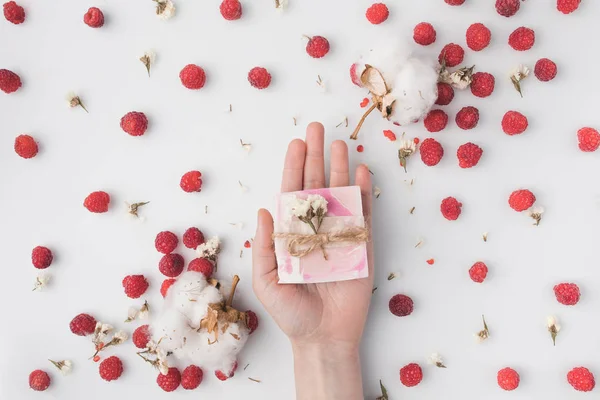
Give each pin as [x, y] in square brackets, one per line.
[171, 329]
[190, 296]
[388, 59]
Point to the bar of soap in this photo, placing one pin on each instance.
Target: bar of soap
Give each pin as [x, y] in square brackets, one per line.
[345, 261]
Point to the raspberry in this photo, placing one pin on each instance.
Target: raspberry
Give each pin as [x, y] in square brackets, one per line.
[191, 181]
[436, 120]
[478, 272]
[467, 118]
[445, 94]
[14, 13]
[83, 325]
[514, 123]
[231, 10]
[41, 257]
[251, 321]
[192, 238]
[455, 2]
[482, 84]
[9, 81]
[567, 293]
[25, 146]
[223, 377]
[97, 202]
[135, 123]
[377, 13]
[522, 39]
[521, 200]
[259, 78]
[589, 139]
[171, 265]
[545, 69]
[507, 8]
[94, 18]
[164, 288]
[192, 77]
[508, 379]
[317, 47]
[135, 286]
[567, 6]
[478, 37]
[247, 244]
[451, 208]
[453, 55]
[191, 377]
[202, 265]
[354, 75]
[111, 368]
[424, 34]
[141, 336]
[431, 152]
[170, 381]
[468, 155]
[411, 375]
[360, 148]
[39, 380]
[401, 305]
[166, 242]
[581, 379]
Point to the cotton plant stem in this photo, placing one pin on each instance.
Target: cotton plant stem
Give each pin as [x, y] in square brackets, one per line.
[236, 280]
[354, 135]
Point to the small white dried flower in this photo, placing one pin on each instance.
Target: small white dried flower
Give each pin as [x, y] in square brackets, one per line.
[517, 75]
[300, 207]
[536, 214]
[436, 360]
[408, 147]
[74, 101]
[165, 9]
[119, 337]
[210, 249]
[132, 314]
[281, 4]
[41, 281]
[317, 203]
[553, 328]
[148, 59]
[376, 192]
[246, 146]
[144, 311]
[64, 366]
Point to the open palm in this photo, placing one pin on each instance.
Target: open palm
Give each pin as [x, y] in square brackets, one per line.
[314, 313]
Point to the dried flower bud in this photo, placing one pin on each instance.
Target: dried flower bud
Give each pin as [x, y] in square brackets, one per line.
[553, 328]
[436, 360]
[536, 214]
[517, 75]
[64, 366]
[41, 281]
[75, 101]
[165, 9]
[148, 59]
[483, 334]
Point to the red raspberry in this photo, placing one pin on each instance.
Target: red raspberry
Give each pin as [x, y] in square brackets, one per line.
[247, 244]
[166, 242]
[482, 84]
[445, 94]
[436, 120]
[567, 293]
[478, 272]
[317, 47]
[360, 148]
[424, 34]
[94, 18]
[231, 10]
[164, 288]
[545, 69]
[251, 321]
[135, 123]
[508, 379]
[192, 238]
[39, 380]
[83, 325]
[191, 182]
[135, 286]
[192, 77]
[581, 379]
[589, 139]
[111, 368]
[97, 202]
[377, 13]
[453, 54]
[354, 75]
[514, 123]
[507, 8]
[141, 336]
[401, 305]
[468, 155]
[478, 37]
[223, 377]
[455, 2]
[411, 375]
[41, 257]
[14, 13]
[522, 39]
[259, 78]
[25, 146]
[9, 81]
[451, 208]
[171, 265]
[467, 118]
[431, 152]
[202, 265]
[191, 377]
[567, 6]
[170, 381]
[521, 200]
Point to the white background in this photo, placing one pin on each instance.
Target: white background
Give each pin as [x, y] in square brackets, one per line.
[41, 199]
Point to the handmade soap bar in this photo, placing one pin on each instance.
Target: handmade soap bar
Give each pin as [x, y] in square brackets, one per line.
[336, 260]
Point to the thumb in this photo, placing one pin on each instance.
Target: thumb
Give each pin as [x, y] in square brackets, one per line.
[263, 253]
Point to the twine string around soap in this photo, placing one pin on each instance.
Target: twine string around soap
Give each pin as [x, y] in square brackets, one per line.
[299, 245]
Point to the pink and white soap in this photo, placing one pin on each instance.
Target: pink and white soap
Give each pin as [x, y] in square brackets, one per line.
[345, 261]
